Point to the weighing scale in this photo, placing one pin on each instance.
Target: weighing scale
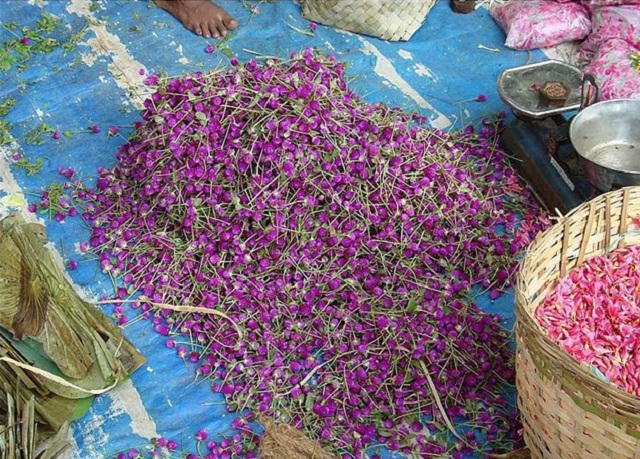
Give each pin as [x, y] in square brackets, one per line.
[537, 141]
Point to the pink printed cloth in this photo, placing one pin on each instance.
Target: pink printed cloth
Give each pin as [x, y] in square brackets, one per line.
[614, 70]
[609, 22]
[531, 24]
[592, 4]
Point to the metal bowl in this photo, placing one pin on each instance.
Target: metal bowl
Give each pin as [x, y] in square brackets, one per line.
[606, 136]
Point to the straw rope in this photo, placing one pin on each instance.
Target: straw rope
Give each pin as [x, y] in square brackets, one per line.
[58, 380]
[282, 441]
[393, 20]
[568, 412]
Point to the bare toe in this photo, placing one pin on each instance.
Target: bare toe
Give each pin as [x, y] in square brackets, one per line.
[202, 17]
[214, 30]
[230, 23]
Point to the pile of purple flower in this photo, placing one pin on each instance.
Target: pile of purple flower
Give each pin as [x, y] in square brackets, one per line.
[343, 239]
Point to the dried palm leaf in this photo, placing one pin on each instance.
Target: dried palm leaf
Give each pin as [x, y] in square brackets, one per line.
[19, 429]
[38, 302]
[52, 411]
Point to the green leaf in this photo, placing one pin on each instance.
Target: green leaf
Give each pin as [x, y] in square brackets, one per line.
[412, 305]
[202, 118]
[14, 200]
[5, 134]
[29, 167]
[6, 62]
[47, 23]
[309, 400]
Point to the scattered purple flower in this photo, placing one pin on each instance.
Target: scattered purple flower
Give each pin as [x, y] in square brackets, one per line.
[201, 435]
[151, 80]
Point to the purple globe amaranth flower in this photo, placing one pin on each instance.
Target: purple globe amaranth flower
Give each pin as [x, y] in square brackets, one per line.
[201, 435]
[341, 237]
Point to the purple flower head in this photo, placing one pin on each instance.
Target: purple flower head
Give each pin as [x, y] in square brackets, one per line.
[209, 49]
[25, 41]
[481, 98]
[56, 135]
[95, 129]
[151, 80]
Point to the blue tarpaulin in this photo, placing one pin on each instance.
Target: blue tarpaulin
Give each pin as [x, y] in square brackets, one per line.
[97, 81]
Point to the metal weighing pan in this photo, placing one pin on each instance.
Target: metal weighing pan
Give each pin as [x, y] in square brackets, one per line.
[516, 87]
[606, 136]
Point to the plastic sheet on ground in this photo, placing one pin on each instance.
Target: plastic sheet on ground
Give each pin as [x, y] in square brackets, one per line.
[449, 62]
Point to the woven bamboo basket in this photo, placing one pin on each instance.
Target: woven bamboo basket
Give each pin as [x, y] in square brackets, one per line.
[392, 20]
[567, 411]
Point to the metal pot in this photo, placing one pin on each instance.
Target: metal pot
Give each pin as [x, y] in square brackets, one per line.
[606, 136]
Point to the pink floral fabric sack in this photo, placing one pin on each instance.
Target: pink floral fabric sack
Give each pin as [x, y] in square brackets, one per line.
[598, 3]
[531, 24]
[615, 70]
[609, 22]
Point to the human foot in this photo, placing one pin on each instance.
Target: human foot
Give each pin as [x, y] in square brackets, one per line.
[202, 17]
